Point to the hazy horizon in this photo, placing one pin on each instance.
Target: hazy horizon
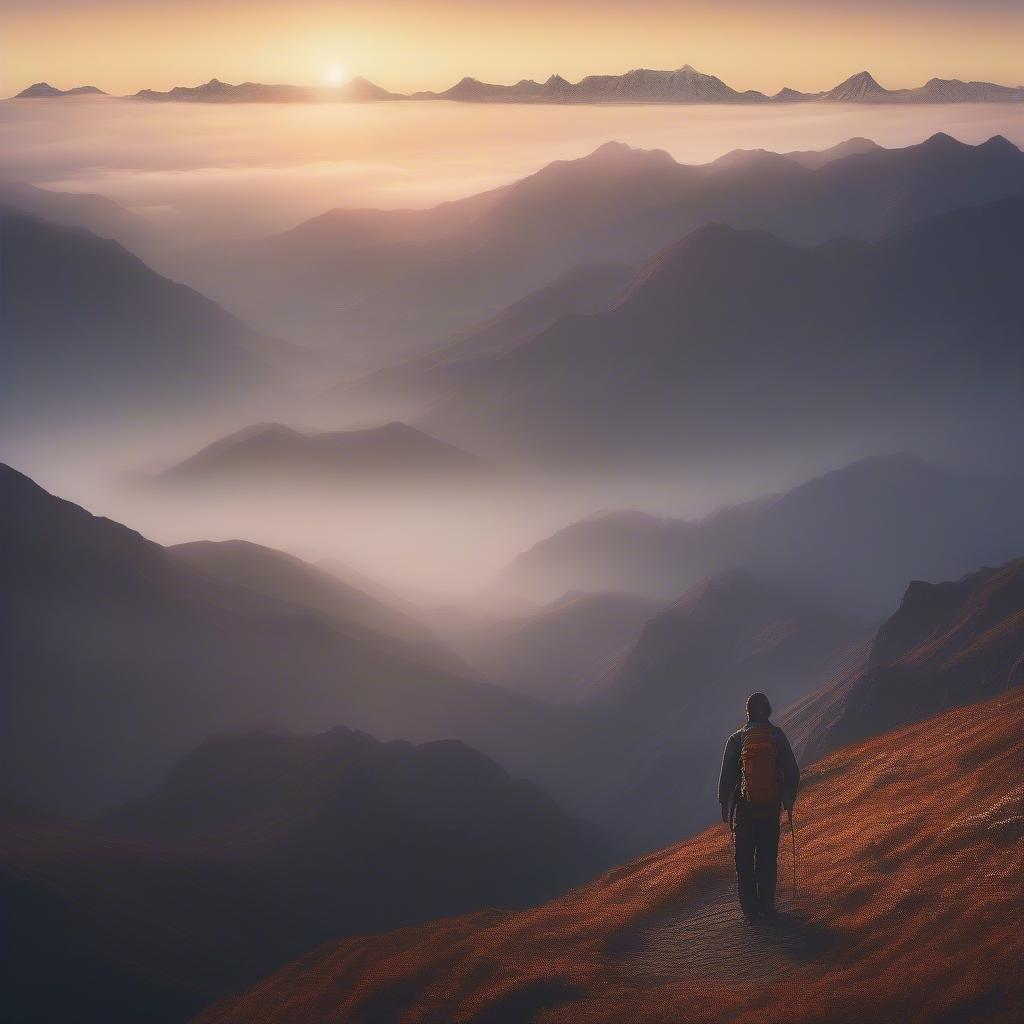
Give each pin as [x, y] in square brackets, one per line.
[430, 44]
[205, 172]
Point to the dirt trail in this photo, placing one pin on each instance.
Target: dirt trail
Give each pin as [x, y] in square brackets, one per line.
[708, 938]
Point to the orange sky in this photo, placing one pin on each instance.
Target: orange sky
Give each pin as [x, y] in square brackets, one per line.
[122, 46]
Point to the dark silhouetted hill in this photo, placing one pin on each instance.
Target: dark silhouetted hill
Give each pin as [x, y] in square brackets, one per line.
[256, 848]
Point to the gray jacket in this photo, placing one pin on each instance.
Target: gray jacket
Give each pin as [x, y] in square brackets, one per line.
[729, 780]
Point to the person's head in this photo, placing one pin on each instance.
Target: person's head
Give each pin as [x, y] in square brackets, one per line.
[759, 708]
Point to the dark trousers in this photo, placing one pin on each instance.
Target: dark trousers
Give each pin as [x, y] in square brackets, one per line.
[757, 855]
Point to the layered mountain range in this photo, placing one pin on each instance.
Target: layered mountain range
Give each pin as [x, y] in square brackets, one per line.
[849, 539]
[359, 90]
[924, 321]
[380, 285]
[117, 652]
[260, 844]
[641, 85]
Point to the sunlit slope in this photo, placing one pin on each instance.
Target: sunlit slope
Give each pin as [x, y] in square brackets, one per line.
[909, 902]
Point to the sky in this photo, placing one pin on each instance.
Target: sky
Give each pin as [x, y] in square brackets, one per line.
[124, 45]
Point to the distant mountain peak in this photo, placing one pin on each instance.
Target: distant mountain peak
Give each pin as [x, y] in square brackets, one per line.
[859, 87]
[43, 90]
[391, 449]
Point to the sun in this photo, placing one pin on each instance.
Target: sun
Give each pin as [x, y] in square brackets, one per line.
[335, 75]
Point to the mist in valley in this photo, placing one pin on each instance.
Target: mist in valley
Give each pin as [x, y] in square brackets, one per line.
[415, 491]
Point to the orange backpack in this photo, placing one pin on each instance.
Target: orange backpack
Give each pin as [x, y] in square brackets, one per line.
[759, 768]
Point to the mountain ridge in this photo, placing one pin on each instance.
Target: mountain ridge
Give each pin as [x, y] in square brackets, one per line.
[640, 85]
[398, 284]
[392, 453]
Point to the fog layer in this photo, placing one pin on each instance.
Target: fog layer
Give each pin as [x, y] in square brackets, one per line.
[212, 171]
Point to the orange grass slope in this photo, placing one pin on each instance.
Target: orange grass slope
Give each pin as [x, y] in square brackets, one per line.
[908, 909]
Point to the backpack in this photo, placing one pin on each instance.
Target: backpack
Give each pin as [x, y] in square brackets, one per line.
[759, 768]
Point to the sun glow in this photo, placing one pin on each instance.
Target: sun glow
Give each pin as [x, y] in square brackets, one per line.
[335, 75]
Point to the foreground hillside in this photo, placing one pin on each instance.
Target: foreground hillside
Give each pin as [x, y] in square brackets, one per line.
[908, 909]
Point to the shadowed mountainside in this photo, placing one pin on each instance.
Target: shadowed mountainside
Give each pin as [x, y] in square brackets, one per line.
[850, 538]
[410, 386]
[898, 916]
[380, 285]
[257, 848]
[947, 644]
[91, 332]
[924, 321]
[98, 214]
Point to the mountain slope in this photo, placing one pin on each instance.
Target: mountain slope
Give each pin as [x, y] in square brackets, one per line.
[289, 580]
[410, 386]
[90, 331]
[256, 848]
[561, 653]
[116, 656]
[850, 538]
[101, 216]
[910, 916]
[923, 321]
[947, 644]
[858, 88]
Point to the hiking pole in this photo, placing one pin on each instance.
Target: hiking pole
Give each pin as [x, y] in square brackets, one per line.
[792, 836]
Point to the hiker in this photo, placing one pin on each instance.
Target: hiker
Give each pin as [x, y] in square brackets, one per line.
[759, 777]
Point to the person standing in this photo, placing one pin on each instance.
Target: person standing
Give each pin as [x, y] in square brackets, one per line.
[759, 777]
